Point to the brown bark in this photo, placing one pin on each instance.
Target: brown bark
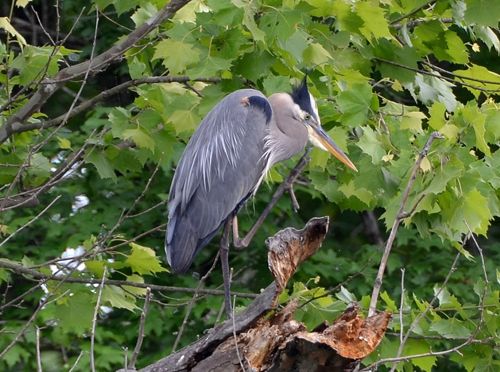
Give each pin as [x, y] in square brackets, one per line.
[265, 339]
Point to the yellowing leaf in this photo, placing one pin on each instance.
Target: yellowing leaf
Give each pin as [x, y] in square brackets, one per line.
[64, 143]
[22, 3]
[425, 165]
[413, 121]
[143, 260]
[5, 24]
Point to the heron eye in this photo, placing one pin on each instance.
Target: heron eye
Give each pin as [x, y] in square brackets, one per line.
[307, 116]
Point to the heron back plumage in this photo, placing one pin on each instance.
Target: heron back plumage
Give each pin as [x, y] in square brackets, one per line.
[218, 170]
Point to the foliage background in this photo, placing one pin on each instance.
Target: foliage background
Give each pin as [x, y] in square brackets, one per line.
[385, 74]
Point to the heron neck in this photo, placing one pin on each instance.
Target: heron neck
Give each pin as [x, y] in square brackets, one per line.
[287, 138]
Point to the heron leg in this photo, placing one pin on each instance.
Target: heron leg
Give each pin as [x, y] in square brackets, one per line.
[224, 259]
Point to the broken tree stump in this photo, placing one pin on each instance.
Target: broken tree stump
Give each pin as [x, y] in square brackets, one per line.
[263, 339]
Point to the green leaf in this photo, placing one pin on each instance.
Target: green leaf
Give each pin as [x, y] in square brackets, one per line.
[169, 51]
[274, 84]
[117, 297]
[472, 115]
[140, 138]
[413, 347]
[482, 12]
[135, 290]
[64, 143]
[375, 25]
[437, 118]
[450, 328]
[473, 212]
[349, 189]
[345, 296]
[354, 104]
[184, 121]
[209, 67]
[143, 260]
[391, 304]
[488, 79]
[250, 9]
[76, 314]
[316, 54]
[370, 144]
[446, 300]
[102, 164]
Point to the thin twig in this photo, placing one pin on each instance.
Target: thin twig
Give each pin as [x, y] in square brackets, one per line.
[35, 274]
[140, 336]
[30, 221]
[76, 361]
[294, 173]
[401, 305]
[201, 283]
[414, 11]
[94, 321]
[38, 355]
[399, 217]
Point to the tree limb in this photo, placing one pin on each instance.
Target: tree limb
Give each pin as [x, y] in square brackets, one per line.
[97, 64]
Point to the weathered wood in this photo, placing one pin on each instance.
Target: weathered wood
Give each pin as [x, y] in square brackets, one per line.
[274, 341]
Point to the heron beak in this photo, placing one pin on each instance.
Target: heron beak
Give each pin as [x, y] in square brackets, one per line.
[319, 138]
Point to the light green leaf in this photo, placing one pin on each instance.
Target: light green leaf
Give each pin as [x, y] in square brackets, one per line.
[413, 121]
[375, 24]
[135, 290]
[391, 304]
[437, 119]
[140, 138]
[315, 54]
[370, 144]
[345, 296]
[209, 67]
[143, 260]
[64, 143]
[184, 121]
[489, 79]
[472, 115]
[474, 212]
[274, 84]
[117, 297]
[170, 52]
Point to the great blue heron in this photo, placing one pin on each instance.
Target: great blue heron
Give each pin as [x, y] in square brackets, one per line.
[226, 160]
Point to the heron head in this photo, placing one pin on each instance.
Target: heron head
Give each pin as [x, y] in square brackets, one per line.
[310, 118]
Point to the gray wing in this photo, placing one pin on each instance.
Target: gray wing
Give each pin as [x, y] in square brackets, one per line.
[217, 172]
